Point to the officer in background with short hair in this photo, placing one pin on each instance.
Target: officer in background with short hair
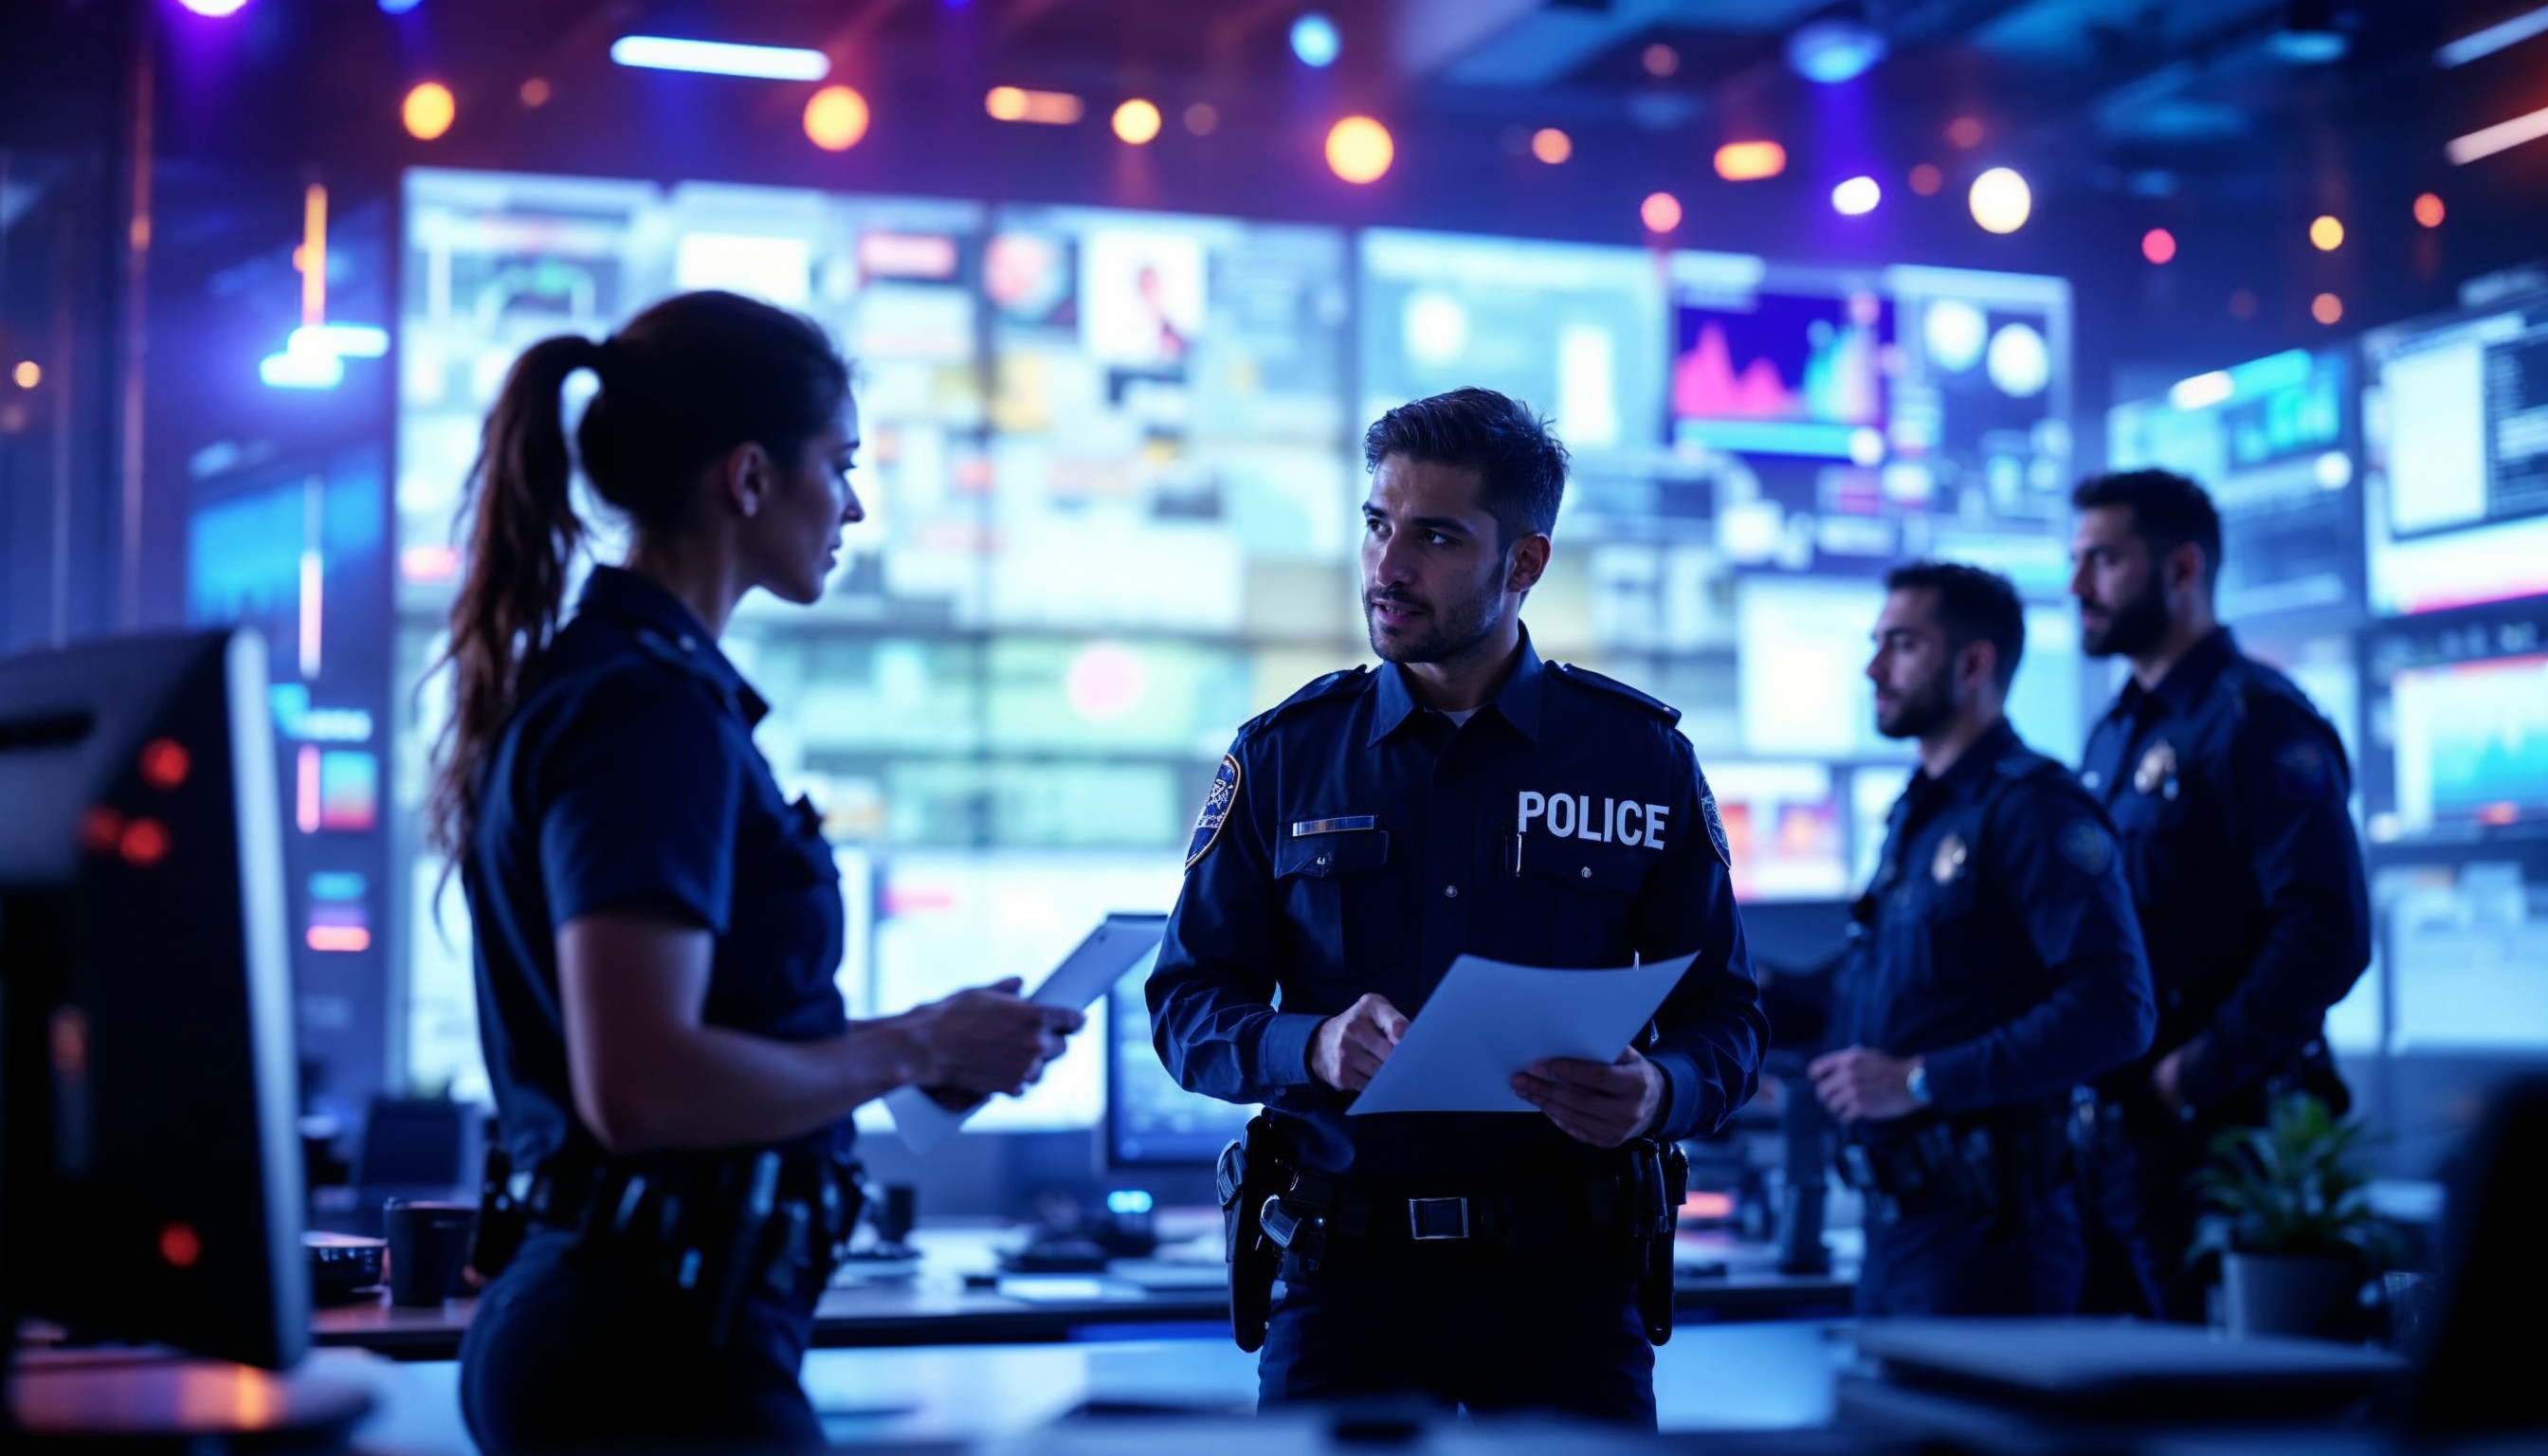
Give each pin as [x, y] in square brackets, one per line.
[1465, 797]
[1998, 967]
[2228, 790]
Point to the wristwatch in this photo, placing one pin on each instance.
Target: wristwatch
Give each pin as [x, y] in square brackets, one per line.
[1918, 1082]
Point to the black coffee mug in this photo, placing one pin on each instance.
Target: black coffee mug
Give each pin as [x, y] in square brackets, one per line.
[428, 1243]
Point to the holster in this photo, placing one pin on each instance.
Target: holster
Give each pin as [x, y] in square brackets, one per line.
[1246, 1178]
[1657, 1184]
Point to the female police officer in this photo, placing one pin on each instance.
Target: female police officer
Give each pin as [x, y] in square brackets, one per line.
[657, 926]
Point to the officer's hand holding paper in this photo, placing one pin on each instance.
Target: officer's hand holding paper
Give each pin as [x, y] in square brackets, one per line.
[1489, 1021]
[924, 1117]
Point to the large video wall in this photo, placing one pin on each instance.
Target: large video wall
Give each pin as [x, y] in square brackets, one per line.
[1112, 473]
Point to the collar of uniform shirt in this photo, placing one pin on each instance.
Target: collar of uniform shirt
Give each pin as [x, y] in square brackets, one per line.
[1518, 702]
[626, 595]
[2186, 681]
[1972, 768]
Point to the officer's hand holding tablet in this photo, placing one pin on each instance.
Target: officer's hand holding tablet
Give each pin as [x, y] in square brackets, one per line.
[983, 1040]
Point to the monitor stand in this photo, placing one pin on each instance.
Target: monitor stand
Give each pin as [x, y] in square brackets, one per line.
[130, 1400]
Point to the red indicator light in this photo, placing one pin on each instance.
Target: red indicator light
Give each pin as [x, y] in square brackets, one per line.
[145, 843]
[339, 938]
[165, 763]
[69, 1039]
[101, 830]
[179, 1246]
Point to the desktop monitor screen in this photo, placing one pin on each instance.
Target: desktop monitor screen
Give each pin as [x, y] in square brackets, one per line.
[1150, 1121]
[149, 1167]
[2456, 497]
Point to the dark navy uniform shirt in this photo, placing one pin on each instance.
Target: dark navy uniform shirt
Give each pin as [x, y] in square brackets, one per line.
[628, 781]
[1358, 842]
[2000, 945]
[2228, 790]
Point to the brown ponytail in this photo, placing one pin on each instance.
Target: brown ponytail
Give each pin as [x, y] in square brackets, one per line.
[686, 381]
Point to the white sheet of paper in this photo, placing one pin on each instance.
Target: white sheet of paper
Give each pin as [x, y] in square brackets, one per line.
[1489, 1019]
[1116, 945]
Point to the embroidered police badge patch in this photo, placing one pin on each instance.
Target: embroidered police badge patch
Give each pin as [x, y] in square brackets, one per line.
[1215, 811]
[1949, 862]
[2083, 843]
[1715, 824]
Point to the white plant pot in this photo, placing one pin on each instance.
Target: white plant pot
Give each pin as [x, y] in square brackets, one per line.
[2286, 1293]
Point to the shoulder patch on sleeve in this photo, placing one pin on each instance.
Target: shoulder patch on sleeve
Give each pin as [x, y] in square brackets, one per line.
[1716, 823]
[1586, 677]
[2085, 844]
[2302, 770]
[1215, 811]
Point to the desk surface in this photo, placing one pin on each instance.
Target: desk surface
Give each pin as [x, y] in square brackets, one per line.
[935, 1305]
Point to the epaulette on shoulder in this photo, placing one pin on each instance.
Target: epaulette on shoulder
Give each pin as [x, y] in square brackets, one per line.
[1333, 685]
[1586, 677]
[2025, 764]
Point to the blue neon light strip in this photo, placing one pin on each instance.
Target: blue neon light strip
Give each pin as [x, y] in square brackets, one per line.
[719, 59]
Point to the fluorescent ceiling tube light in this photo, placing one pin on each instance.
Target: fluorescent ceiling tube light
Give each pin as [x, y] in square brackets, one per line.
[2493, 39]
[2463, 150]
[717, 58]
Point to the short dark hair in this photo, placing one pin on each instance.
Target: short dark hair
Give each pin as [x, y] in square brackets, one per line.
[1521, 467]
[2168, 510]
[1973, 605]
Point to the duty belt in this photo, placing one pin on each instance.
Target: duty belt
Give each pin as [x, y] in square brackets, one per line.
[718, 1230]
[1998, 1164]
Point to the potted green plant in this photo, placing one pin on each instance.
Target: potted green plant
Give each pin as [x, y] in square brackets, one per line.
[2292, 1220]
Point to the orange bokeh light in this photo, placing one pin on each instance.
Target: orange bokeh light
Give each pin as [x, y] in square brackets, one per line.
[1360, 150]
[1551, 145]
[428, 111]
[1750, 161]
[2429, 210]
[836, 117]
[1927, 180]
[1661, 212]
[2327, 307]
[2159, 245]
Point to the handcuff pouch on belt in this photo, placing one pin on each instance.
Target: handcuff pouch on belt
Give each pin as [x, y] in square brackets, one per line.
[719, 1230]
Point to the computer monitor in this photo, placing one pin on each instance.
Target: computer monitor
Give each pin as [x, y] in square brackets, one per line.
[149, 1168]
[1150, 1121]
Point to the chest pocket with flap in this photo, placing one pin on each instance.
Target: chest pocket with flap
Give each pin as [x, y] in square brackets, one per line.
[1336, 892]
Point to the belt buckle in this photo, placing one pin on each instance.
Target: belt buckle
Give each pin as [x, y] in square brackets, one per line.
[1429, 1220]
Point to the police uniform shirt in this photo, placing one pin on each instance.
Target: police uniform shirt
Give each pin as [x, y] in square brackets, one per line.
[2228, 790]
[2000, 943]
[1357, 842]
[628, 781]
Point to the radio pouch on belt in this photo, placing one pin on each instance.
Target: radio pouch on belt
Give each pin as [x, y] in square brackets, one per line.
[1245, 1179]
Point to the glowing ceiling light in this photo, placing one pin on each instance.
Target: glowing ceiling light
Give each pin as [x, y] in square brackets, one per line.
[215, 9]
[427, 110]
[1927, 180]
[399, 7]
[1660, 212]
[2159, 245]
[1830, 52]
[2429, 210]
[2327, 307]
[1965, 133]
[836, 117]
[2489, 140]
[1038, 108]
[1203, 118]
[1660, 60]
[28, 374]
[2001, 201]
[1360, 150]
[344, 341]
[1315, 41]
[2493, 39]
[1857, 197]
[2326, 235]
[1136, 121]
[1551, 145]
[720, 58]
[1750, 161]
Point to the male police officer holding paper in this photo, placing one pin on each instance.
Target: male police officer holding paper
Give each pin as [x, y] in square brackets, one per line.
[1999, 968]
[1464, 797]
[2228, 792]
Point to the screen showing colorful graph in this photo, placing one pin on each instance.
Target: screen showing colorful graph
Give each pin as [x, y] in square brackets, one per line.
[1785, 375]
[2472, 742]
